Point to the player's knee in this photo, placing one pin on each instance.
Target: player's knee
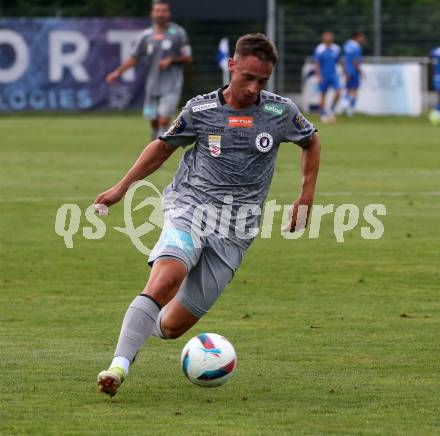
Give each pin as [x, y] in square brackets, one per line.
[172, 331]
[164, 121]
[163, 285]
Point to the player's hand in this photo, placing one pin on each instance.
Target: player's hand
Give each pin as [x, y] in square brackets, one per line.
[106, 199]
[298, 214]
[112, 77]
[165, 63]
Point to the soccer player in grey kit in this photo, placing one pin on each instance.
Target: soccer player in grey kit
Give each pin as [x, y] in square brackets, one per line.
[237, 131]
[166, 47]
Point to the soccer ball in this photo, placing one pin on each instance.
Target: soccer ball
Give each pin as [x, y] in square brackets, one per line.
[208, 360]
[434, 116]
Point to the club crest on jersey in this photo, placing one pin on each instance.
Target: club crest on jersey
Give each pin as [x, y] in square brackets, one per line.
[177, 127]
[215, 145]
[204, 107]
[166, 44]
[242, 122]
[264, 142]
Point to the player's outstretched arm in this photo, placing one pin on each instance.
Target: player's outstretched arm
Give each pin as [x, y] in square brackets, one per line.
[153, 156]
[310, 156]
[129, 63]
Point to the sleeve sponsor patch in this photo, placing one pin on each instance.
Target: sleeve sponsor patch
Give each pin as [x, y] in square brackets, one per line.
[204, 107]
[301, 123]
[177, 127]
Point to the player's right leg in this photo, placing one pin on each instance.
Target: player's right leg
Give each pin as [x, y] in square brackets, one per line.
[166, 109]
[140, 320]
[174, 255]
[150, 113]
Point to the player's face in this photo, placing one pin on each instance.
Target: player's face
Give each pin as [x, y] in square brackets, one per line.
[249, 76]
[327, 38]
[160, 14]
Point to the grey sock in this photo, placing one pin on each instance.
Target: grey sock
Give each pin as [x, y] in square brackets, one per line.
[157, 331]
[137, 326]
[154, 133]
[161, 131]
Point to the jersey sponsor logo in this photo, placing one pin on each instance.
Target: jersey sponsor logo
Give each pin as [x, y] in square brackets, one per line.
[215, 145]
[264, 142]
[204, 107]
[301, 123]
[212, 130]
[242, 122]
[150, 49]
[177, 127]
[275, 109]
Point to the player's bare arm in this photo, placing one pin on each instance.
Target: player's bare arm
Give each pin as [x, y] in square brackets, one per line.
[129, 63]
[153, 156]
[165, 63]
[310, 156]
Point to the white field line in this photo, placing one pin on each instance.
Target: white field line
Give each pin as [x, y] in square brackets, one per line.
[73, 199]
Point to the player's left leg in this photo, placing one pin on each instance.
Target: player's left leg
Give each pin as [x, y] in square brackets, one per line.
[323, 92]
[166, 109]
[337, 88]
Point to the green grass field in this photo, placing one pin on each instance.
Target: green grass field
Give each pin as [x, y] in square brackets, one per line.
[332, 338]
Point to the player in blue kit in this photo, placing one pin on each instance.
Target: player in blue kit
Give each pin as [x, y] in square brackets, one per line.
[326, 58]
[352, 69]
[236, 131]
[434, 115]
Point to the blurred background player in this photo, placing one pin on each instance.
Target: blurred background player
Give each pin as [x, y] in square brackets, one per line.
[165, 46]
[352, 69]
[434, 115]
[326, 57]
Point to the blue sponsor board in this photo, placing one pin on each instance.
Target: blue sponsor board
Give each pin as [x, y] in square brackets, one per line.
[61, 64]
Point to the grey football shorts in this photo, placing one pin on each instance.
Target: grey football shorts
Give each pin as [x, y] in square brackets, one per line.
[211, 265]
[161, 106]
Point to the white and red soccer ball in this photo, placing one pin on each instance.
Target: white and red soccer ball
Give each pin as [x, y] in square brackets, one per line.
[208, 360]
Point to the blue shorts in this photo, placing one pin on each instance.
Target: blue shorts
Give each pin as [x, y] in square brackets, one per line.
[436, 82]
[329, 82]
[353, 81]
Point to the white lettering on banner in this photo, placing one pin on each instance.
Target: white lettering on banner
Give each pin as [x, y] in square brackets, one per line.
[21, 63]
[58, 60]
[125, 39]
[204, 107]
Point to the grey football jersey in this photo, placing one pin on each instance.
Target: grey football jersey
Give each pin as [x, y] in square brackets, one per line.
[154, 47]
[234, 154]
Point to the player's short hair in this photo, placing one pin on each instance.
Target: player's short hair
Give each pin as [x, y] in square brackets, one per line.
[159, 2]
[357, 33]
[258, 45]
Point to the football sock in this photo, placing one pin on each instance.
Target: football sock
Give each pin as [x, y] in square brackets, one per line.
[352, 101]
[438, 107]
[161, 131]
[138, 324]
[154, 133]
[121, 362]
[157, 331]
